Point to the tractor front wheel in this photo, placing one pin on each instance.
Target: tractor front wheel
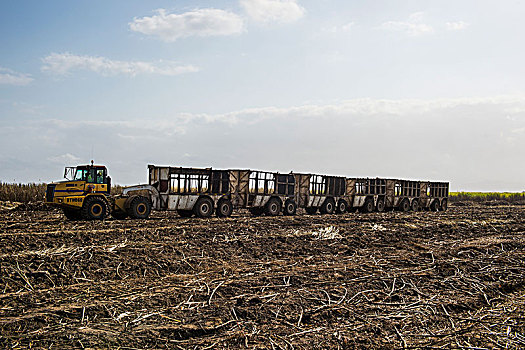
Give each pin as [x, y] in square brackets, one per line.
[94, 208]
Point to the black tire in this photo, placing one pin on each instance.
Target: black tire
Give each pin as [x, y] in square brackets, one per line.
[72, 214]
[203, 208]
[94, 208]
[444, 205]
[273, 207]
[224, 208]
[368, 207]
[415, 205]
[380, 206]
[139, 208]
[434, 206]
[185, 213]
[311, 210]
[290, 208]
[405, 205]
[256, 211]
[342, 207]
[119, 214]
[328, 206]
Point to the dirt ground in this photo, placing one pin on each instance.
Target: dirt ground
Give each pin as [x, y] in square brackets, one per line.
[391, 280]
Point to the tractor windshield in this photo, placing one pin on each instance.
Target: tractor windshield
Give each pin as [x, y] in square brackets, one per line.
[80, 175]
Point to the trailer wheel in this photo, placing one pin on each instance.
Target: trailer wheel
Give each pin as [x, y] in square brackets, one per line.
[328, 206]
[119, 214]
[94, 208]
[368, 207]
[380, 206]
[203, 208]
[72, 214]
[405, 205]
[273, 207]
[140, 208]
[311, 210]
[415, 205]
[444, 205]
[434, 206]
[290, 208]
[342, 207]
[224, 208]
[185, 213]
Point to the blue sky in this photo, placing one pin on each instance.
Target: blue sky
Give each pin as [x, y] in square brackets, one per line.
[411, 89]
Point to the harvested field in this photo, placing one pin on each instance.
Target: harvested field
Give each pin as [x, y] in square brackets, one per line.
[391, 280]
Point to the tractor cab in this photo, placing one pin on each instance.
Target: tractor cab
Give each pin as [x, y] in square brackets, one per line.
[95, 177]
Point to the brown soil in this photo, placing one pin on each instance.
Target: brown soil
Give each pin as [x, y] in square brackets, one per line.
[390, 280]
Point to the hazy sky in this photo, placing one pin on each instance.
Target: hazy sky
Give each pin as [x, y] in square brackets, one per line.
[411, 89]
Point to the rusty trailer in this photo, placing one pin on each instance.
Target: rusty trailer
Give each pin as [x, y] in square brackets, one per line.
[203, 191]
[263, 192]
[191, 191]
[323, 193]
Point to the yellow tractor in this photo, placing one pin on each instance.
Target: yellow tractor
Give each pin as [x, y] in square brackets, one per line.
[86, 194]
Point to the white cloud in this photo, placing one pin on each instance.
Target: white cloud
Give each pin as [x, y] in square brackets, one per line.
[454, 26]
[414, 26]
[347, 27]
[200, 22]
[265, 11]
[67, 158]
[338, 28]
[10, 77]
[63, 63]
[471, 141]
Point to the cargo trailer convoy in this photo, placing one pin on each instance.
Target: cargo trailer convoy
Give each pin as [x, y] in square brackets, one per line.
[201, 192]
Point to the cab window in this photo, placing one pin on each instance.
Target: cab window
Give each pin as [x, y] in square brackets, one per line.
[80, 175]
[100, 176]
[91, 176]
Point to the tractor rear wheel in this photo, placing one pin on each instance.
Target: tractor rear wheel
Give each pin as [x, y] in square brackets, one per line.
[140, 208]
[415, 205]
[444, 205]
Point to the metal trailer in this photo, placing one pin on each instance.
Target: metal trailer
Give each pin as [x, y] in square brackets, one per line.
[200, 191]
[367, 195]
[434, 195]
[321, 192]
[403, 195]
[378, 194]
[190, 191]
[263, 192]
